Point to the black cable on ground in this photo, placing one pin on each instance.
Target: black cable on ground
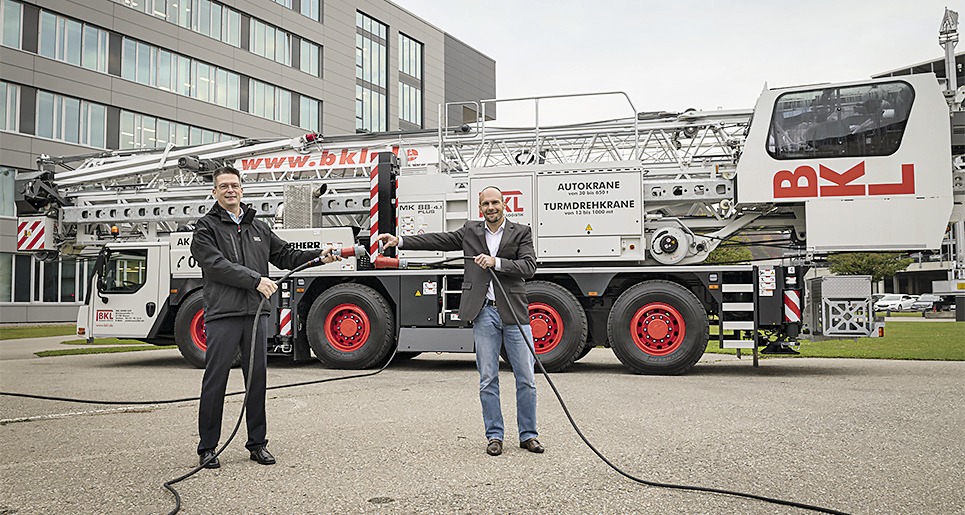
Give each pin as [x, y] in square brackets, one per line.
[626, 474]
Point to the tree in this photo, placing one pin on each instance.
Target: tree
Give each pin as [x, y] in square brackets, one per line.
[730, 252]
[878, 265]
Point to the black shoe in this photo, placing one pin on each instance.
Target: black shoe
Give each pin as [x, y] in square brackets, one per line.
[532, 445]
[495, 447]
[211, 459]
[262, 456]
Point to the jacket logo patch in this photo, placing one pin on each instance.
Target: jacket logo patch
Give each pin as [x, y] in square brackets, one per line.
[257, 238]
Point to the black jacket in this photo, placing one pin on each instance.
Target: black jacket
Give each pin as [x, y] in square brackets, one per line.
[517, 257]
[233, 259]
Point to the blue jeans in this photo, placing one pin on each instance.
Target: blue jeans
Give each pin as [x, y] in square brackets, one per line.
[490, 334]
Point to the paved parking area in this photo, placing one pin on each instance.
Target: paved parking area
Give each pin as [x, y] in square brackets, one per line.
[859, 436]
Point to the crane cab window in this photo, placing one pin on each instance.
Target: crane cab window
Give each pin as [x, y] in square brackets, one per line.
[125, 272]
[852, 121]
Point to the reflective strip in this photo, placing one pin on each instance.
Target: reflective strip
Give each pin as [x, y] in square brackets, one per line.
[374, 212]
[30, 237]
[285, 326]
[792, 306]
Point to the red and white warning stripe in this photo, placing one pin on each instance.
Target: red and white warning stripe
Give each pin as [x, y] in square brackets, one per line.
[792, 306]
[374, 212]
[30, 235]
[285, 322]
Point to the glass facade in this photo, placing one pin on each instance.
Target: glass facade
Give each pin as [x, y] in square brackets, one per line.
[371, 74]
[310, 57]
[72, 120]
[24, 279]
[212, 19]
[410, 83]
[162, 69]
[143, 131]
[73, 42]
[9, 107]
[10, 15]
[270, 42]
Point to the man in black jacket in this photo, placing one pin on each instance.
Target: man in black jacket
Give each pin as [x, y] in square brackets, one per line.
[233, 250]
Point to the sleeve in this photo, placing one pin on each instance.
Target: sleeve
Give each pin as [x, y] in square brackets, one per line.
[444, 241]
[283, 256]
[524, 265]
[216, 267]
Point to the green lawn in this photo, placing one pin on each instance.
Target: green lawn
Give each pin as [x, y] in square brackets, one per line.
[101, 350]
[944, 341]
[39, 331]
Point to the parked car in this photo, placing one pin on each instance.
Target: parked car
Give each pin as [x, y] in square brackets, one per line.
[895, 302]
[931, 302]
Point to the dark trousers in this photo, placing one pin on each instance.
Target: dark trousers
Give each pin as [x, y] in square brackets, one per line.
[224, 338]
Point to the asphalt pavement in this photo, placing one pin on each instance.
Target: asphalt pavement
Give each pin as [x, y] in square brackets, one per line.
[859, 436]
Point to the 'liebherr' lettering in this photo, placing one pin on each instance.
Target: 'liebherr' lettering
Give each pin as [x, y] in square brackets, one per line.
[803, 183]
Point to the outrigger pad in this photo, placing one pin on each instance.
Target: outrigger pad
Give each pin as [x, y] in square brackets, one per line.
[777, 348]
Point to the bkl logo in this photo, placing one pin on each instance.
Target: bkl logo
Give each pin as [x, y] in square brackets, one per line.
[514, 201]
[105, 315]
[803, 183]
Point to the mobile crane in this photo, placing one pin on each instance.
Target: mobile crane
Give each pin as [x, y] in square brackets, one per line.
[624, 213]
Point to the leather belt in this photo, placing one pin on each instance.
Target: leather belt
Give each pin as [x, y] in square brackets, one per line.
[490, 303]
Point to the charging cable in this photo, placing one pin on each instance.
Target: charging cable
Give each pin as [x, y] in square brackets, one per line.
[529, 345]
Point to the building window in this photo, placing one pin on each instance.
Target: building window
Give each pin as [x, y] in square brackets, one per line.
[11, 13]
[286, 3]
[212, 19]
[852, 121]
[9, 107]
[73, 42]
[371, 74]
[410, 82]
[270, 42]
[270, 102]
[311, 58]
[166, 70]
[72, 120]
[312, 9]
[310, 111]
[142, 131]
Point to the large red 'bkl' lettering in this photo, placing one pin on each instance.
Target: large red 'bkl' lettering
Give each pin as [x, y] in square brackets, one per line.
[905, 187]
[841, 187]
[793, 187]
[803, 182]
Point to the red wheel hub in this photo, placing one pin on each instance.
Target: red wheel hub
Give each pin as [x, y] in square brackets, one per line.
[547, 326]
[347, 327]
[658, 329]
[198, 335]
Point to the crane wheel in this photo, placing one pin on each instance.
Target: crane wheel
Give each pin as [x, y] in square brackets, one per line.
[189, 331]
[658, 327]
[351, 326]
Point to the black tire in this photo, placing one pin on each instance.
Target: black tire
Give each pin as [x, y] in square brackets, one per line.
[586, 350]
[351, 307]
[189, 332]
[658, 327]
[558, 323]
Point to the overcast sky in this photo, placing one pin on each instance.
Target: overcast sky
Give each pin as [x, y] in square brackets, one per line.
[677, 54]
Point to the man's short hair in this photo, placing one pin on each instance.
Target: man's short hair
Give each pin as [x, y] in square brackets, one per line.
[223, 170]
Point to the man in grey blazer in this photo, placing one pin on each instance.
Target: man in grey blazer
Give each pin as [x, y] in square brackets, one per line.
[508, 248]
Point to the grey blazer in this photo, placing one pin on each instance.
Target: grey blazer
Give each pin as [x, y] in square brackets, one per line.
[517, 256]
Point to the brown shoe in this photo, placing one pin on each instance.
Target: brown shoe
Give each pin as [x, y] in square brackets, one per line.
[532, 445]
[495, 447]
